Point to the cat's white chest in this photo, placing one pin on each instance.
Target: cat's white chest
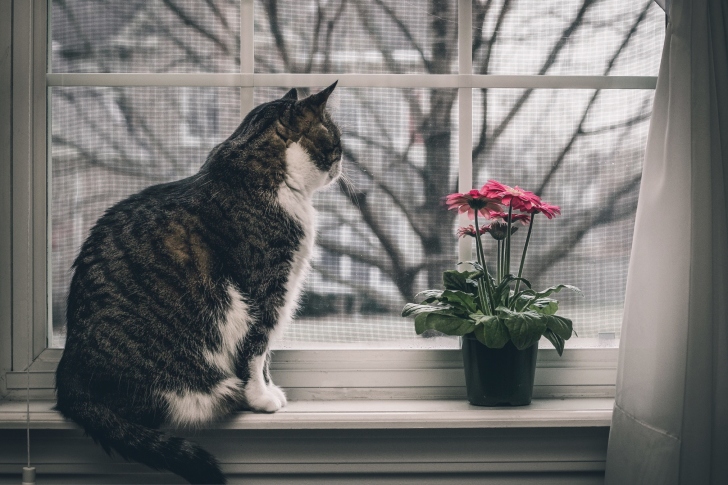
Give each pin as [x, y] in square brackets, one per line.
[305, 213]
[294, 196]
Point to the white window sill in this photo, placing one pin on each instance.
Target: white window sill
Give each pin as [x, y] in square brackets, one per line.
[371, 414]
[560, 441]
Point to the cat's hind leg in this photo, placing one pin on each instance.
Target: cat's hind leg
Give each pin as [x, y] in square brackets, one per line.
[279, 393]
[259, 394]
[189, 408]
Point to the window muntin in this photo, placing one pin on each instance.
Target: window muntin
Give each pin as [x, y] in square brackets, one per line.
[447, 113]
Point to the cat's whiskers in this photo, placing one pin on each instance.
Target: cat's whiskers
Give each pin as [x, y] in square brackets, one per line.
[347, 184]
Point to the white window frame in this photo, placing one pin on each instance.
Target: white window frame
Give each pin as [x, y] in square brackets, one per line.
[27, 360]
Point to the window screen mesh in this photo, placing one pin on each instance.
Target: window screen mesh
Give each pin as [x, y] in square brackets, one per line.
[109, 143]
[569, 37]
[383, 236]
[581, 150]
[368, 36]
[145, 36]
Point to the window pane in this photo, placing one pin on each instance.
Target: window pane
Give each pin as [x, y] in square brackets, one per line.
[109, 143]
[568, 37]
[146, 36]
[369, 36]
[383, 235]
[581, 150]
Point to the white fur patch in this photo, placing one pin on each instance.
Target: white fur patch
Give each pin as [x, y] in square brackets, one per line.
[295, 197]
[301, 173]
[233, 329]
[259, 395]
[193, 408]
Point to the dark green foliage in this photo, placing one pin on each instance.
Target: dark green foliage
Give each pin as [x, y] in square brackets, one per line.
[521, 318]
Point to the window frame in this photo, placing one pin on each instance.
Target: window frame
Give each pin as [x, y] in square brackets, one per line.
[25, 357]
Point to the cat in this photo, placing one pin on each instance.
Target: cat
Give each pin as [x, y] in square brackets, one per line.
[179, 289]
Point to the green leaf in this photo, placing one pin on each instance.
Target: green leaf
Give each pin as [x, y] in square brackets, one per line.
[447, 324]
[555, 340]
[556, 289]
[428, 296]
[411, 309]
[420, 321]
[521, 301]
[559, 325]
[545, 306]
[525, 328]
[503, 290]
[459, 299]
[491, 331]
[458, 280]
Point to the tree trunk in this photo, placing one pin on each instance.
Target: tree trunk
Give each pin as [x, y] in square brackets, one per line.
[437, 134]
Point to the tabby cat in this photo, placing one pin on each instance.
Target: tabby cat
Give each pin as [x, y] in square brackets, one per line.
[179, 289]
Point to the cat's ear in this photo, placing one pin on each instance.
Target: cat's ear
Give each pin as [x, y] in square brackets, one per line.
[317, 102]
[292, 94]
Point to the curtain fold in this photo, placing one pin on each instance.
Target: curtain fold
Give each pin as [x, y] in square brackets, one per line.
[670, 422]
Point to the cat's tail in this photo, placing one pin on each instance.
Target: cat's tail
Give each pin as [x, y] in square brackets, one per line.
[139, 443]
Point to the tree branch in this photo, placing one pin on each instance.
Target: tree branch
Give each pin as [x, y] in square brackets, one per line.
[550, 60]
[405, 31]
[194, 25]
[271, 8]
[484, 69]
[579, 129]
[607, 214]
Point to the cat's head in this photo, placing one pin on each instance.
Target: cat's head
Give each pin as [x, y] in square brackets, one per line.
[298, 141]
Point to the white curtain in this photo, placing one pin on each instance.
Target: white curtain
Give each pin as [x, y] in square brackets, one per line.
[670, 422]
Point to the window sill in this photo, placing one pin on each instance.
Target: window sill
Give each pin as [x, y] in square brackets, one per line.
[373, 414]
[560, 441]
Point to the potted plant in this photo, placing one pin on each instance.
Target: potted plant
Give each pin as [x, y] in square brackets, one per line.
[499, 316]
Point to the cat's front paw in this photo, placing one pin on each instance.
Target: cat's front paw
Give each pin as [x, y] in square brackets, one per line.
[278, 392]
[265, 401]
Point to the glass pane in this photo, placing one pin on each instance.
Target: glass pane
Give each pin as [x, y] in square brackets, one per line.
[146, 36]
[380, 240]
[383, 235]
[371, 36]
[581, 150]
[109, 143]
[568, 37]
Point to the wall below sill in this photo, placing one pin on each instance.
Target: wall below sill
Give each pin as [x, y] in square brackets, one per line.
[382, 442]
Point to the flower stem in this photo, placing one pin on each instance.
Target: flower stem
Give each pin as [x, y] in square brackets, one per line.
[508, 240]
[525, 248]
[499, 264]
[488, 304]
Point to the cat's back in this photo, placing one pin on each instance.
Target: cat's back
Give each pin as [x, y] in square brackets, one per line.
[146, 259]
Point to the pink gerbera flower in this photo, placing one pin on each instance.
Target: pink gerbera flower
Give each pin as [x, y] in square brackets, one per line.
[472, 201]
[523, 218]
[550, 211]
[516, 197]
[470, 230]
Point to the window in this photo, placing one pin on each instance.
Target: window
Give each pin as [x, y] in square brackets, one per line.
[434, 96]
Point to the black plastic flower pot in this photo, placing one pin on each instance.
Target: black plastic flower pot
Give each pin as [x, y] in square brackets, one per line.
[498, 377]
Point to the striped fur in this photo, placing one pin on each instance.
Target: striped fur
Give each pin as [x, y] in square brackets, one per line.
[179, 289]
